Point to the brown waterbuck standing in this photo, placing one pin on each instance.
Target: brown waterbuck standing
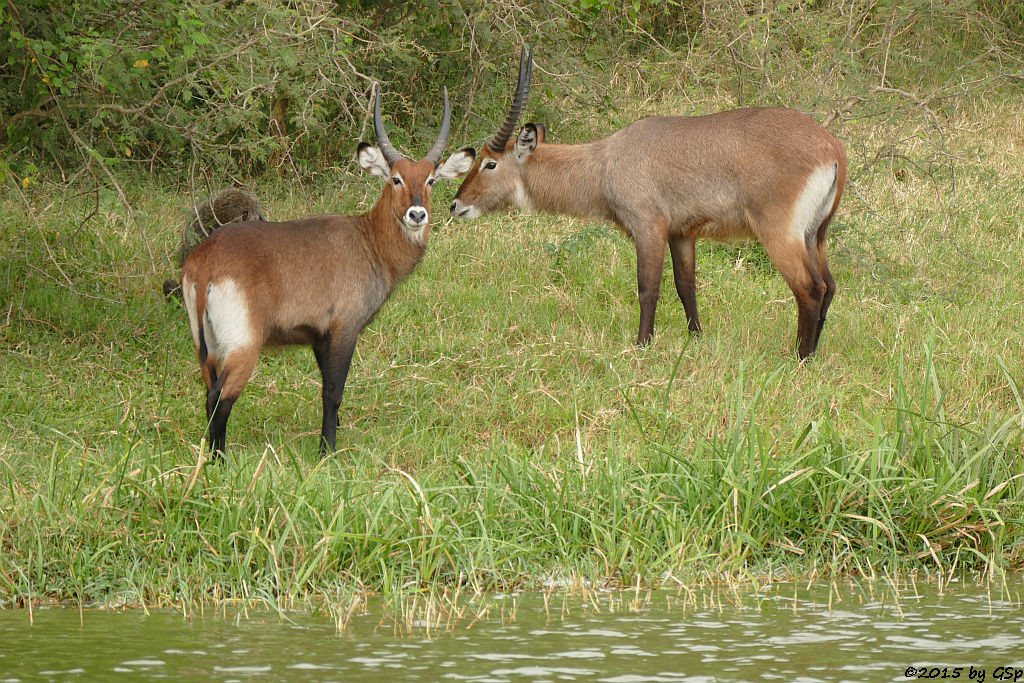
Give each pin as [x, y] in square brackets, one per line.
[316, 281]
[774, 175]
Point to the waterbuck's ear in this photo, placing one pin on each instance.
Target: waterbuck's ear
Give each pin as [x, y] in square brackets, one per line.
[531, 135]
[456, 165]
[372, 160]
[542, 131]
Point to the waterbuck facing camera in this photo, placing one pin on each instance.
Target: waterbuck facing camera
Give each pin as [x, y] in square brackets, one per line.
[316, 281]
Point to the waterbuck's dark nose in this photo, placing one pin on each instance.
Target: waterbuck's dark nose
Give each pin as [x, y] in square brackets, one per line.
[417, 215]
[459, 209]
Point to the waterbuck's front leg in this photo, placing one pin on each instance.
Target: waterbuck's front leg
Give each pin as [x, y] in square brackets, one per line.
[333, 353]
[650, 261]
[684, 272]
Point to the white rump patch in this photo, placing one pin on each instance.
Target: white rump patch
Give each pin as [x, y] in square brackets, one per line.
[226, 327]
[814, 202]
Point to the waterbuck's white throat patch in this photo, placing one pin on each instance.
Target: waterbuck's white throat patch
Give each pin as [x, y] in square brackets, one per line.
[814, 202]
[521, 199]
[416, 235]
[226, 327]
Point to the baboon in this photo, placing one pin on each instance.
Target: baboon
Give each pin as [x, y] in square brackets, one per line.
[230, 205]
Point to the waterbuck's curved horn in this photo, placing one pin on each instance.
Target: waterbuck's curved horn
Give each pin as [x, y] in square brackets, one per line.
[497, 144]
[434, 155]
[391, 154]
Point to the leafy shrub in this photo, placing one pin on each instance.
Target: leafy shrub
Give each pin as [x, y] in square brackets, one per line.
[246, 87]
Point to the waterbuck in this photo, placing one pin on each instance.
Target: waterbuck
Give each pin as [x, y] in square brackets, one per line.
[316, 281]
[774, 175]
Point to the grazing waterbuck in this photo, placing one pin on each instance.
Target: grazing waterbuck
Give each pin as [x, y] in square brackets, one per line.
[770, 174]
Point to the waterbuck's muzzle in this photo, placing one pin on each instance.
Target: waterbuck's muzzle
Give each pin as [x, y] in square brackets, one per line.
[462, 210]
[416, 217]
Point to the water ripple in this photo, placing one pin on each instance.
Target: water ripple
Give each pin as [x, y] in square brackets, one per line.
[766, 636]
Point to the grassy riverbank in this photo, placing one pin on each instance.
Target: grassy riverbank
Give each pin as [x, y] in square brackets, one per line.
[499, 429]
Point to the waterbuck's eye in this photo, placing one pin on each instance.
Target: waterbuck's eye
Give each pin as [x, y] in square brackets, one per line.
[396, 180]
[431, 181]
[491, 164]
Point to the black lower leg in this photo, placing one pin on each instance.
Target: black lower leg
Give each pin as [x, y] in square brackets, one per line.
[334, 357]
[684, 272]
[808, 326]
[329, 427]
[649, 266]
[212, 395]
[826, 301]
[219, 424]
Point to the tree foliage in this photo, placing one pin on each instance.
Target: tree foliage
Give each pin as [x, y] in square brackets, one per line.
[251, 86]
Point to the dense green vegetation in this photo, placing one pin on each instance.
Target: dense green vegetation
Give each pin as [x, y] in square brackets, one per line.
[498, 428]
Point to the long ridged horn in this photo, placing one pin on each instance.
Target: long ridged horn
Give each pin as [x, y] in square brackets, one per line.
[434, 155]
[518, 103]
[391, 155]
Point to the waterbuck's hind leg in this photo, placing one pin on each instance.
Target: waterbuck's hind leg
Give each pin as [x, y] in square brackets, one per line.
[809, 321]
[221, 397]
[826, 301]
[808, 288]
[219, 426]
[818, 251]
[789, 252]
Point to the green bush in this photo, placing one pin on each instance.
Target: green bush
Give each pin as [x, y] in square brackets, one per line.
[170, 84]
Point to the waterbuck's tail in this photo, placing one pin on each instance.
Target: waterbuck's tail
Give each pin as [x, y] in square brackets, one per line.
[830, 203]
[195, 304]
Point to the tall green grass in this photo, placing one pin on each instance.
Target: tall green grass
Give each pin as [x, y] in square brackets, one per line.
[499, 430]
[921, 494]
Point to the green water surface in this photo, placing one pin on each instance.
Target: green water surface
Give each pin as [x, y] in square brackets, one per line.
[779, 633]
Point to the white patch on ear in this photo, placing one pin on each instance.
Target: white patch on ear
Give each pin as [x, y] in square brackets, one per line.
[525, 144]
[372, 161]
[456, 165]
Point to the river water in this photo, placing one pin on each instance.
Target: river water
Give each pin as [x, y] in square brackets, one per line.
[874, 631]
